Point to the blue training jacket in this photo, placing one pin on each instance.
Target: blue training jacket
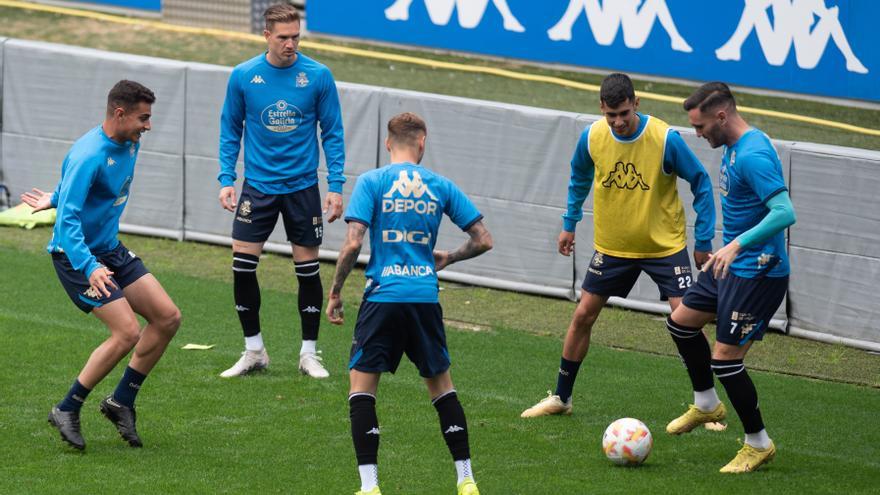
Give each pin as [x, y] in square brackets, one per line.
[95, 179]
[277, 110]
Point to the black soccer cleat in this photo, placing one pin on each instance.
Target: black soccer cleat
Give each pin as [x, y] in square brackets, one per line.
[67, 423]
[123, 418]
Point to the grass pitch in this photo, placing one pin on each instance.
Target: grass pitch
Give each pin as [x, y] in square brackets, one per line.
[279, 432]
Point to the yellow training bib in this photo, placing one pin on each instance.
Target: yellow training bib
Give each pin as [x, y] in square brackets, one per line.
[636, 209]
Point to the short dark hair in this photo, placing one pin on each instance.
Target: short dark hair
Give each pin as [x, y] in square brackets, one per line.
[406, 129]
[616, 89]
[126, 94]
[710, 96]
[280, 12]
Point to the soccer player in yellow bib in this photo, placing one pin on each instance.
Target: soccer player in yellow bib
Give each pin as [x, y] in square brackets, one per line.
[635, 161]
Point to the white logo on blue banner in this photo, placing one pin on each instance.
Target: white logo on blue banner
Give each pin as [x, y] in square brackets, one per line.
[806, 24]
[634, 17]
[821, 47]
[470, 12]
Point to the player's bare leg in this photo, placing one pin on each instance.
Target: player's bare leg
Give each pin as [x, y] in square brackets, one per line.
[365, 427]
[685, 326]
[574, 350]
[310, 299]
[147, 298]
[453, 426]
[245, 259]
[124, 330]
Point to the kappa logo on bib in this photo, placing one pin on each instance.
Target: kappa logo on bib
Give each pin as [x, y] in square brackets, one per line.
[625, 176]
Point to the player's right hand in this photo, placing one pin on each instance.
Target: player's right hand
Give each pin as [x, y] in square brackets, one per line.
[100, 279]
[37, 199]
[227, 198]
[566, 243]
[334, 309]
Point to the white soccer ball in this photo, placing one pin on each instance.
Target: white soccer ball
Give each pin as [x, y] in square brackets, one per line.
[627, 441]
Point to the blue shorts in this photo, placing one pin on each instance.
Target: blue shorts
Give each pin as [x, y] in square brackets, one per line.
[744, 306]
[614, 276]
[257, 215]
[384, 331]
[124, 264]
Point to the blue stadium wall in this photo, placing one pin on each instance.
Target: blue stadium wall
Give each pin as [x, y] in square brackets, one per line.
[818, 47]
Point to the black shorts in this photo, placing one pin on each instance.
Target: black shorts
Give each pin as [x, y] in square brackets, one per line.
[614, 276]
[257, 215]
[744, 306]
[384, 331]
[124, 264]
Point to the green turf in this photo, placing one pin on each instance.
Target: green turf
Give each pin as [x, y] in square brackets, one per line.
[279, 432]
[478, 306]
[18, 23]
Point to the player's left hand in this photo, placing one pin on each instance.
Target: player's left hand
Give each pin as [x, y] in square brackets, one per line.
[334, 310]
[720, 261]
[441, 260]
[701, 257]
[333, 206]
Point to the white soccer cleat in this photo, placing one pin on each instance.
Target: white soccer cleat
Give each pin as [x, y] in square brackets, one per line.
[310, 364]
[249, 362]
[549, 406]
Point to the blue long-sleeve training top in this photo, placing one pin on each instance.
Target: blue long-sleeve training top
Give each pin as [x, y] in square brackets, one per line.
[95, 179]
[677, 158]
[277, 109]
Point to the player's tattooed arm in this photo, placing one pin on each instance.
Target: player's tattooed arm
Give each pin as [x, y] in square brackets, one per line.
[347, 258]
[349, 255]
[479, 241]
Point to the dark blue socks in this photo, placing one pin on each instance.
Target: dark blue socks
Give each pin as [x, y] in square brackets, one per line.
[128, 387]
[568, 371]
[75, 397]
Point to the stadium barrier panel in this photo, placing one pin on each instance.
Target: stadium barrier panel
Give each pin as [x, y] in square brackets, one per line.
[834, 245]
[2, 50]
[488, 148]
[55, 93]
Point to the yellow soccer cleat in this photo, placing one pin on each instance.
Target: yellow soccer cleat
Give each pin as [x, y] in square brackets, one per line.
[749, 459]
[548, 406]
[468, 487]
[694, 417]
[374, 491]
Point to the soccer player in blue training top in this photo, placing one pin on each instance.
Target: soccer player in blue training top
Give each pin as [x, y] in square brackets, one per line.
[281, 95]
[638, 218]
[101, 275]
[743, 283]
[402, 205]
